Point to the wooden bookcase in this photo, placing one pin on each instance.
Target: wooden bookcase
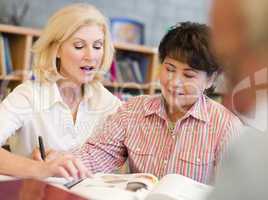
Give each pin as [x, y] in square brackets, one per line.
[21, 40]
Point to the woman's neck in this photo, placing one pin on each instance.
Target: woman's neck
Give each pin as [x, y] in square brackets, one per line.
[175, 113]
[70, 92]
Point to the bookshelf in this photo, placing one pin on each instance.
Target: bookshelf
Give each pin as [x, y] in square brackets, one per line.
[21, 40]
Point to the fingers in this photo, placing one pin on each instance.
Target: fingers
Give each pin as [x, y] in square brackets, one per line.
[52, 154]
[67, 166]
[63, 173]
[36, 155]
[82, 170]
[71, 168]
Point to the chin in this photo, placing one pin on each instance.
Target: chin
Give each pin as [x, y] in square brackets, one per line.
[87, 79]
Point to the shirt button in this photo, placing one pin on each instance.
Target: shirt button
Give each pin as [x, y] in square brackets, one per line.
[173, 136]
[198, 160]
[165, 162]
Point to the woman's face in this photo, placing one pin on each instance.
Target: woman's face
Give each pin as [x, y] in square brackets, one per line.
[181, 85]
[82, 54]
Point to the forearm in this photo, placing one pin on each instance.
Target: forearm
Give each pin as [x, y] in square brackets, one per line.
[100, 157]
[14, 165]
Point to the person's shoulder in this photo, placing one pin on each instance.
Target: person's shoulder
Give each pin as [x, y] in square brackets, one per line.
[102, 98]
[107, 94]
[30, 87]
[21, 96]
[26, 86]
[141, 100]
[140, 104]
[24, 90]
[217, 110]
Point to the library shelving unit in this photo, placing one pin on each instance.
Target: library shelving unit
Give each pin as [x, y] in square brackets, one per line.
[21, 40]
[20, 43]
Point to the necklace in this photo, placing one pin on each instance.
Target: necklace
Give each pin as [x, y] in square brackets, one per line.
[171, 126]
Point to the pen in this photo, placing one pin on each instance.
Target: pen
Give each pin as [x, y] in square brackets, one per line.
[70, 184]
[42, 147]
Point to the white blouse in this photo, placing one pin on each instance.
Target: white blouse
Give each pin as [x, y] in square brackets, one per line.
[34, 109]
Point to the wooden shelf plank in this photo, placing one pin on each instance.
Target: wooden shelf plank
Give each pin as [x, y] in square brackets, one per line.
[135, 48]
[11, 78]
[129, 85]
[19, 30]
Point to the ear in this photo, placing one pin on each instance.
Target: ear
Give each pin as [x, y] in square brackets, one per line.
[211, 79]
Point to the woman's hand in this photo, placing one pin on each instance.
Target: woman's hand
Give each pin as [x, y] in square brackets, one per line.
[50, 154]
[64, 165]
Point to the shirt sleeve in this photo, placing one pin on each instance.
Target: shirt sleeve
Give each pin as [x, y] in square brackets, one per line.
[106, 151]
[13, 111]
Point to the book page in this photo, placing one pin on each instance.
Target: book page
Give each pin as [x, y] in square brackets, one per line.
[178, 187]
[116, 186]
[7, 178]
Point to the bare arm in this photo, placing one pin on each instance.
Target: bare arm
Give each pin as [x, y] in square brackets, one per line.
[64, 165]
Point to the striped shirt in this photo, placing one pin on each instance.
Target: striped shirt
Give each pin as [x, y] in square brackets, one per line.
[139, 132]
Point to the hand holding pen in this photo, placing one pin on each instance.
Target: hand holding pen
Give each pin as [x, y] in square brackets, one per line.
[60, 164]
[41, 153]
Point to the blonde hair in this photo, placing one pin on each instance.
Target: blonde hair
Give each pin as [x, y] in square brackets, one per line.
[61, 26]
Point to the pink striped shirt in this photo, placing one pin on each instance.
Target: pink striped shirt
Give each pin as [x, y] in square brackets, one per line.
[139, 132]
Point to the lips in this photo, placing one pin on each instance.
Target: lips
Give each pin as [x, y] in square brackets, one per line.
[174, 92]
[87, 68]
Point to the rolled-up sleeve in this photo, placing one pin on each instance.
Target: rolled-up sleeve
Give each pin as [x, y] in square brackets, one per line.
[13, 110]
[106, 151]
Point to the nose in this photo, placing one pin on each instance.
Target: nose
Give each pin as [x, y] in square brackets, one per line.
[175, 81]
[89, 53]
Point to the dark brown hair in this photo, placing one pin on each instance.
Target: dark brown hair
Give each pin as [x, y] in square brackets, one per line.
[189, 42]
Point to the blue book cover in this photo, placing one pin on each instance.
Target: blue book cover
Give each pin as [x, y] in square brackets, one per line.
[2, 57]
[8, 60]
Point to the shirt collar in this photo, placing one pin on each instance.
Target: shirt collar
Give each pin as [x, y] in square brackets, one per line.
[54, 96]
[199, 110]
[155, 105]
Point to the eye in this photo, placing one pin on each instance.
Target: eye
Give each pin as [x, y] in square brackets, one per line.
[78, 45]
[98, 45]
[170, 69]
[189, 75]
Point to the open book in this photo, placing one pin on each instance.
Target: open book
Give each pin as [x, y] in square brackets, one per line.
[141, 186]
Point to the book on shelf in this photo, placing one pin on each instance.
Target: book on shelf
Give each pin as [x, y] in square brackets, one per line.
[134, 64]
[132, 67]
[124, 66]
[113, 71]
[8, 59]
[2, 56]
[141, 186]
[5, 56]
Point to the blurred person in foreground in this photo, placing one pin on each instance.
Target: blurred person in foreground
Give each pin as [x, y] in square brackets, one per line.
[240, 39]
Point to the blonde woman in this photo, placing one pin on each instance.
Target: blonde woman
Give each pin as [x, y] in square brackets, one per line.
[66, 101]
